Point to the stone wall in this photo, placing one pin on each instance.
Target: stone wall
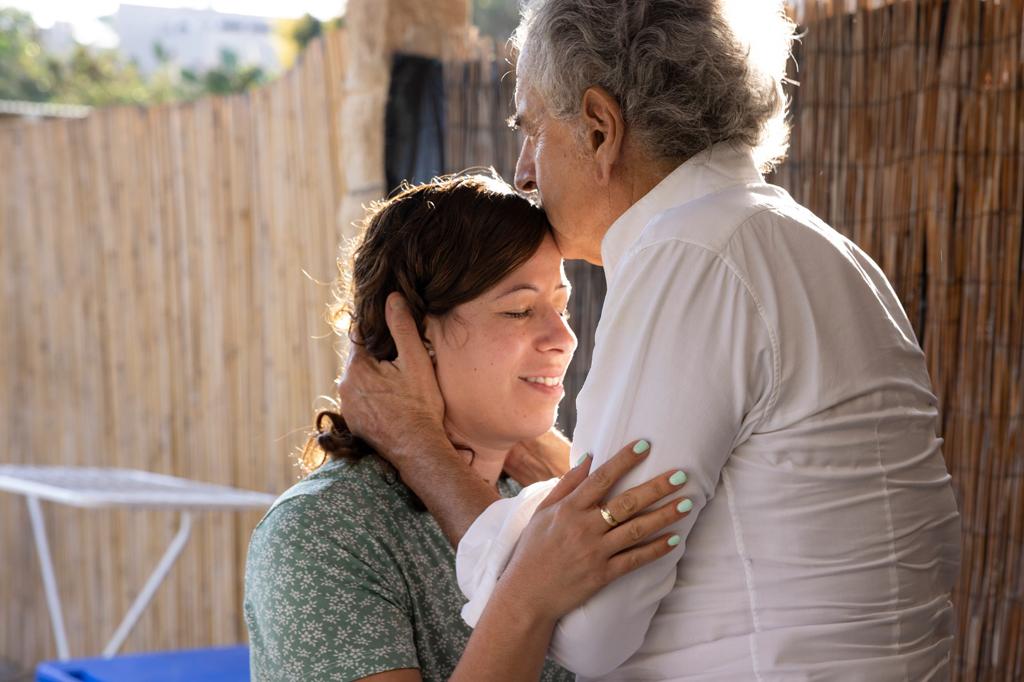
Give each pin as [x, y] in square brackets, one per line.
[375, 31]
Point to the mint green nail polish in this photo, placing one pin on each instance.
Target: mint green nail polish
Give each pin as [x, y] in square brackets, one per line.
[684, 506]
[678, 478]
[673, 541]
[641, 447]
[582, 459]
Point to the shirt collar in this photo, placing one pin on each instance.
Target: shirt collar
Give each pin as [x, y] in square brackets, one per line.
[722, 165]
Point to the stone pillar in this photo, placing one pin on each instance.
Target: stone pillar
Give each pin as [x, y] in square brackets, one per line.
[376, 30]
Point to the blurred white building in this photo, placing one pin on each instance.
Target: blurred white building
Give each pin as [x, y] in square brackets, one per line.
[193, 38]
[58, 39]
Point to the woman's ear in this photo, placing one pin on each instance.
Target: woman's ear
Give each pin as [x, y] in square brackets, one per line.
[431, 330]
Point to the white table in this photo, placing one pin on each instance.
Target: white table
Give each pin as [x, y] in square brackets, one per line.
[110, 487]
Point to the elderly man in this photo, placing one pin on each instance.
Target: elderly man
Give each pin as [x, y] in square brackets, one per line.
[755, 347]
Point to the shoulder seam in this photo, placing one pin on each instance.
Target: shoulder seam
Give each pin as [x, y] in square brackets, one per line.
[773, 394]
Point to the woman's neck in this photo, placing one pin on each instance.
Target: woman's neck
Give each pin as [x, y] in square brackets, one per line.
[487, 462]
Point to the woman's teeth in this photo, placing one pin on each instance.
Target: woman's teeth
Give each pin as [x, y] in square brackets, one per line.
[547, 381]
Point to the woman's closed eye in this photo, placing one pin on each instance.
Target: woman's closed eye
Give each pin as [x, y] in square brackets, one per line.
[521, 314]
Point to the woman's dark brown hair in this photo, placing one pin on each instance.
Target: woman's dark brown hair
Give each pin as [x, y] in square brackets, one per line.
[439, 244]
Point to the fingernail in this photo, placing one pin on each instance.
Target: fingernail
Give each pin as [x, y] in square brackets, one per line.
[678, 478]
[397, 302]
[582, 459]
[641, 447]
[673, 541]
[684, 506]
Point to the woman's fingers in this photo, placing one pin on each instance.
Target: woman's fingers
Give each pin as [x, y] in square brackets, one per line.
[591, 492]
[642, 527]
[632, 559]
[628, 504]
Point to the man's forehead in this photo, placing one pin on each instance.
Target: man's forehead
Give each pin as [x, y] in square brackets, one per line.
[525, 103]
[519, 99]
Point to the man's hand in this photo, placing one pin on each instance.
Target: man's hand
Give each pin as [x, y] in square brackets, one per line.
[539, 459]
[395, 406]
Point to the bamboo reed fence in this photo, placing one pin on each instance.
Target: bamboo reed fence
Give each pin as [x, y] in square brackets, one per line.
[909, 138]
[151, 262]
[156, 316]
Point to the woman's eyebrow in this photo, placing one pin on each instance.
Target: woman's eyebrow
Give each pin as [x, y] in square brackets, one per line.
[527, 287]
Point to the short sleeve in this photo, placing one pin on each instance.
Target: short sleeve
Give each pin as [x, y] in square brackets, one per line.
[321, 602]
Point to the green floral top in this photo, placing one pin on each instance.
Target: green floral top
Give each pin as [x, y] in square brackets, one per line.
[347, 578]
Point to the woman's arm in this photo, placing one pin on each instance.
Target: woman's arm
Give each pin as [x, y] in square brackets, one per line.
[566, 554]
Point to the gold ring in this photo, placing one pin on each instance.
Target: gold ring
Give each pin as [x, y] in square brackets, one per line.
[608, 518]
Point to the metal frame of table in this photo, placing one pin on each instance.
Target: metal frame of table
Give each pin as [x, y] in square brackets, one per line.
[97, 487]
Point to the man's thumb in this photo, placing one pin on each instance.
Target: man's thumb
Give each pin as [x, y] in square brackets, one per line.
[403, 329]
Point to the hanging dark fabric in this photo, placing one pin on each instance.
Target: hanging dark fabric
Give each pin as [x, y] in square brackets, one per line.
[414, 132]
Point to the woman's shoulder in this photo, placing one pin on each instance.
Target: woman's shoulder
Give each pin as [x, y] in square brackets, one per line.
[345, 498]
[328, 529]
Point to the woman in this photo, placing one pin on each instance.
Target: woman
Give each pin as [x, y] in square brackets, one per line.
[348, 577]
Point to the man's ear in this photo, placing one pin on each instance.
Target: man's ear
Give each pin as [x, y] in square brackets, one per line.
[604, 129]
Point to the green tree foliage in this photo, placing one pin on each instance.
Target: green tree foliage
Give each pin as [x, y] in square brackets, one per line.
[97, 77]
[305, 29]
[496, 18]
[103, 77]
[25, 72]
[228, 77]
[293, 35]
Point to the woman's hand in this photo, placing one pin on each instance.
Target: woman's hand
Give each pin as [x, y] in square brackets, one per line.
[539, 459]
[569, 551]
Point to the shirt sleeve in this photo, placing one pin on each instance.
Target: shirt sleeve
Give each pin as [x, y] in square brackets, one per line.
[318, 604]
[685, 359]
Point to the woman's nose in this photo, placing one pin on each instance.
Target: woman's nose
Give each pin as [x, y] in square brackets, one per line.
[526, 180]
[558, 335]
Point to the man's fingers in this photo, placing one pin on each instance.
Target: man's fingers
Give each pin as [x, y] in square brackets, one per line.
[359, 359]
[359, 363]
[568, 483]
[403, 330]
[629, 503]
[595, 489]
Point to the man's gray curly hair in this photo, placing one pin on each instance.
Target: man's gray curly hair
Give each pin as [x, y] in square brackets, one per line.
[686, 73]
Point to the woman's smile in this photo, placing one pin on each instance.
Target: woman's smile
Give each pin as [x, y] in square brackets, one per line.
[546, 384]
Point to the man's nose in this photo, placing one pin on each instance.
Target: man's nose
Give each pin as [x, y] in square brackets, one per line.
[525, 180]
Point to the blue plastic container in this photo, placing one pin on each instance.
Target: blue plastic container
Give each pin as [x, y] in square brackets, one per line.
[220, 664]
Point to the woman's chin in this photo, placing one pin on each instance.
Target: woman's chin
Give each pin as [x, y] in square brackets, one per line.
[538, 426]
[515, 426]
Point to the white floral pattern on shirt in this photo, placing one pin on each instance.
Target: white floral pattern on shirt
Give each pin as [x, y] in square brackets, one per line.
[346, 578]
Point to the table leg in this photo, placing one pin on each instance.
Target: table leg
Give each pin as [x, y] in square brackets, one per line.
[157, 577]
[35, 514]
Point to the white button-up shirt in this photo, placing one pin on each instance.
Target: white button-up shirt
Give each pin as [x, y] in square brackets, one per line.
[768, 357]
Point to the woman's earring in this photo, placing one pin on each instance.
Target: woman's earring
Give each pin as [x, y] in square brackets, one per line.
[430, 349]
